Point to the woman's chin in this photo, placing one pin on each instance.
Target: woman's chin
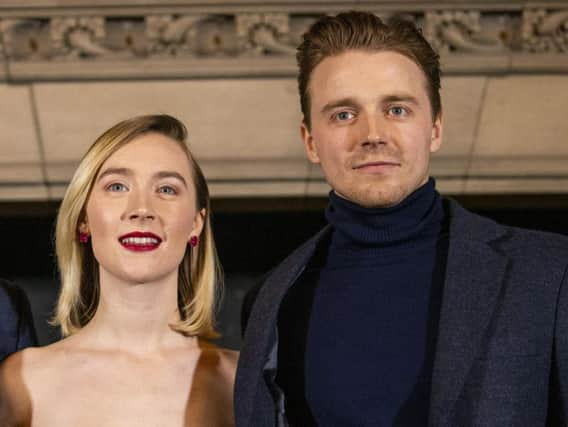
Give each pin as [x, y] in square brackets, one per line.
[141, 277]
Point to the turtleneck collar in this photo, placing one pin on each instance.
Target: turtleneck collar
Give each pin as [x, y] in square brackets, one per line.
[416, 218]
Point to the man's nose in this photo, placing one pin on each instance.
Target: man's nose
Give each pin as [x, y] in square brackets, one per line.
[374, 131]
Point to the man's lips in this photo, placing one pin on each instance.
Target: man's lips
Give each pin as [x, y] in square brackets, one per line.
[140, 241]
[377, 165]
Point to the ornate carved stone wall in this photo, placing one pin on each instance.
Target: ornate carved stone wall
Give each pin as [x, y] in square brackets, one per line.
[94, 40]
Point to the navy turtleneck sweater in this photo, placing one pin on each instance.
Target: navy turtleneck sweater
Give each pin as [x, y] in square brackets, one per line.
[357, 332]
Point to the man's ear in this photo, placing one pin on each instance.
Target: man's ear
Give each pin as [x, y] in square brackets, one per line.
[309, 145]
[437, 131]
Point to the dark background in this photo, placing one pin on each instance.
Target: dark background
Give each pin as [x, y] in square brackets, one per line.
[252, 237]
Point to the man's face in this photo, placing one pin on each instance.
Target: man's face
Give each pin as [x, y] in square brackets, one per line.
[371, 126]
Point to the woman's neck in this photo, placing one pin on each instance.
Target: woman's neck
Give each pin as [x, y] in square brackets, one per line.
[136, 318]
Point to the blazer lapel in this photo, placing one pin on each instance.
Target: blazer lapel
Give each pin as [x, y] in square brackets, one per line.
[474, 275]
[260, 339]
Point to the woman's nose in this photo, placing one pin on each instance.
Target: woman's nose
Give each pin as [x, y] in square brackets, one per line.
[139, 207]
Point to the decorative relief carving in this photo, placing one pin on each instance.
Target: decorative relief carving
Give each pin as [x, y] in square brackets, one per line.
[127, 37]
[545, 31]
[237, 35]
[78, 37]
[154, 35]
[265, 33]
[206, 35]
[25, 38]
[189, 34]
[216, 36]
[463, 32]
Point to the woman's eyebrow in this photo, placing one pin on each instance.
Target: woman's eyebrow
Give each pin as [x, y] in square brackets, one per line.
[171, 174]
[114, 171]
[129, 172]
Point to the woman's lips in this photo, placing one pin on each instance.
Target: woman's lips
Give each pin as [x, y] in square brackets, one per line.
[139, 241]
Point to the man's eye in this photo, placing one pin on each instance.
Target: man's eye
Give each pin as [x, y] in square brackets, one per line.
[116, 187]
[344, 115]
[166, 189]
[397, 111]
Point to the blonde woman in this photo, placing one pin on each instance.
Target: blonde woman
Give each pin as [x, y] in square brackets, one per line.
[138, 286]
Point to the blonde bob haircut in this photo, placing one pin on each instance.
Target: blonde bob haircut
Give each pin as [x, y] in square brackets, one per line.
[199, 274]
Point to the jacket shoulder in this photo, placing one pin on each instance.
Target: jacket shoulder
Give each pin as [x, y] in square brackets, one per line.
[17, 329]
[508, 239]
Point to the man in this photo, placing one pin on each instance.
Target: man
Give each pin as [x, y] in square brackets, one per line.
[16, 323]
[406, 310]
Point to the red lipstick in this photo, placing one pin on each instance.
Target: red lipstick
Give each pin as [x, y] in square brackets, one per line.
[140, 241]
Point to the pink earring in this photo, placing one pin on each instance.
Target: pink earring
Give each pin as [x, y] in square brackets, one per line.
[83, 237]
[193, 241]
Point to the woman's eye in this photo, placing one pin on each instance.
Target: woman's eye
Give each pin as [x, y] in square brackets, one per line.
[116, 187]
[166, 189]
[344, 115]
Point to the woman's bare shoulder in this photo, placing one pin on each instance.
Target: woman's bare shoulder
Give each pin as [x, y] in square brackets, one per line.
[15, 400]
[27, 373]
[225, 360]
[35, 361]
[212, 386]
[19, 367]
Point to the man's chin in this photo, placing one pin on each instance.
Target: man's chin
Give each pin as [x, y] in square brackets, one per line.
[373, 199]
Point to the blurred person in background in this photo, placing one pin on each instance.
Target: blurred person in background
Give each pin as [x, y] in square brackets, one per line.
[407, 309]
[139, 282]
[16, 322]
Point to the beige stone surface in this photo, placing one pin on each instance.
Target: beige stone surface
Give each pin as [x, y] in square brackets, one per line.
[19, 149]
[21, 193]
[524, 127]
[226, 119]
[523, 166]
[461, 104]
[56, 191]
[317, 189]
[450, 186]
[257, 189]
[62, 171]
[297, 169]
[516, 186]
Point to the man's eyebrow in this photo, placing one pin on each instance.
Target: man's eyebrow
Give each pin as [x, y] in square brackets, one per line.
[352, 102]
[400, 97]
[171, 174]
[114, 171]
[343, 102]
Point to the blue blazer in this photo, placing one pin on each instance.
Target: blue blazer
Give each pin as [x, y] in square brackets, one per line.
[502, 350]
[16, 322]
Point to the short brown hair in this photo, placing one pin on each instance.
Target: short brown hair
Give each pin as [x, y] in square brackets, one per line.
[333, 35]
[199, 272]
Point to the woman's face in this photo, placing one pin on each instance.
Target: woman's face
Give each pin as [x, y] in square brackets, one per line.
[141, 212]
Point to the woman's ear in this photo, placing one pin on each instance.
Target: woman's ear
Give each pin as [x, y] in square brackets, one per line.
[198, 223]
[84, 227]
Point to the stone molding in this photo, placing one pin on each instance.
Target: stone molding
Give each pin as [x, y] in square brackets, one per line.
[98, 40]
